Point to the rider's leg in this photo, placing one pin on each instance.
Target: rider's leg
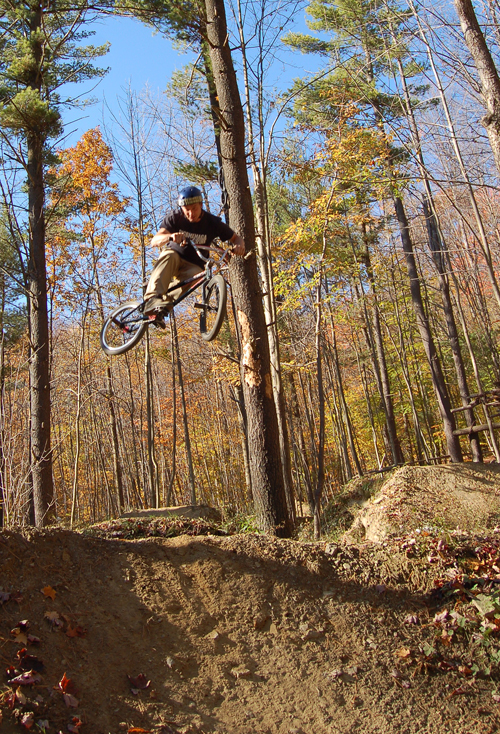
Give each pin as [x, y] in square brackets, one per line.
[185, 271]
[165, 269]
[169, 267]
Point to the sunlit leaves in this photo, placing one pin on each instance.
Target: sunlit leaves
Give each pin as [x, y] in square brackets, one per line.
[86, 205]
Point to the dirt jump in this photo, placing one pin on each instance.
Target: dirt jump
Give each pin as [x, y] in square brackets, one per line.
[172, 625]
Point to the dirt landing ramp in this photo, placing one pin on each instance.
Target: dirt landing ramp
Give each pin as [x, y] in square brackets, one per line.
[457, 496]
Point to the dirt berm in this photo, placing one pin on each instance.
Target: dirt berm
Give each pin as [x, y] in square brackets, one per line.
[123, 628]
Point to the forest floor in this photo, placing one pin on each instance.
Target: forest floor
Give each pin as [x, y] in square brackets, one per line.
[171, 626]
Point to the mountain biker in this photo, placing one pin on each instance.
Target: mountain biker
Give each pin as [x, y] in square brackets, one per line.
[178, 259]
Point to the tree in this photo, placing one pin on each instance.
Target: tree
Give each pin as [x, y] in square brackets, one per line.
[39, 54]
[263, 438]
[206, 26]
[487, 71]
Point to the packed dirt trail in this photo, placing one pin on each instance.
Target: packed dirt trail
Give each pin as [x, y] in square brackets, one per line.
[242, 634]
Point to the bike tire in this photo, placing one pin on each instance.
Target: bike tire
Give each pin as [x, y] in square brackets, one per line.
[123, 329]
[214, 308]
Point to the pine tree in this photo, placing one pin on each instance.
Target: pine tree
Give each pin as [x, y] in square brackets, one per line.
[39, 53]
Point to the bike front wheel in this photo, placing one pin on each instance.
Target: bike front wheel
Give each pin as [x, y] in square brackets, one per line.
[123, 329]
[213, 308]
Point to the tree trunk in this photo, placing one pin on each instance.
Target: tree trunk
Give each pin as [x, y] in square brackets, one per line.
[487, 72]
[266, 273]
[439, 261]
[41, 453]
[320, 474]
[381, 369]
[3, 486]
[237, 392]
[187, 440]
[78, 442]
[438, 381]
[263, 439]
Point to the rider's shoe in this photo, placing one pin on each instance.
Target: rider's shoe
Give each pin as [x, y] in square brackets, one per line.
[153, 305]
[157, 319]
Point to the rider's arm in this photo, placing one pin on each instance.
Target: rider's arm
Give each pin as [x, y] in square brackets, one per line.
[238, 244]
[163, 236]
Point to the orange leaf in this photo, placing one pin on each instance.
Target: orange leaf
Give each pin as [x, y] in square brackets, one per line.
[66, 685]
[404, 652]
[75, 631]
[49, 591]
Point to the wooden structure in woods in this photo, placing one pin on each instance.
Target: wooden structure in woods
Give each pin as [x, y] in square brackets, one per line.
[489, 402]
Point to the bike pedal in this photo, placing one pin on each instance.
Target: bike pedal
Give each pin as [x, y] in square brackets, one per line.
[157, 320]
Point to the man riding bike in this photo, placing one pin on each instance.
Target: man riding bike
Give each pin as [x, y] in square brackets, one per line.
[178, 259]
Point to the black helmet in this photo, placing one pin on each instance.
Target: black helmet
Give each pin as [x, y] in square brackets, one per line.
[190, 195]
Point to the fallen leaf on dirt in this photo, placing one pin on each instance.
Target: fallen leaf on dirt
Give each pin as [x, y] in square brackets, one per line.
[54, 619]
[66, 685]
[441, 617]
[49, 591]
[140, 682]
[404, 652]
[411, 619]
[136, 730]
[20, 632]
[20, 696]
[21, 637]
[43, 725]
[27, 720]
[70, 700]
[75, 725]
[26, 679]
[76, 631]
[496, 697]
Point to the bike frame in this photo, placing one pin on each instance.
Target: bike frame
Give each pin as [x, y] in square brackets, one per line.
[202, 278]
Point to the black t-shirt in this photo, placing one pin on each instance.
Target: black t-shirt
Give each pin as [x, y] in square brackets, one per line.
[201, 233]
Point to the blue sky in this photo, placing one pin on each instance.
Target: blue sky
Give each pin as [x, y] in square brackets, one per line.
[138, 57]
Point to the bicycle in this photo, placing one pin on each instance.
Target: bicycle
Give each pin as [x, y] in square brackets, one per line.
[127, 324]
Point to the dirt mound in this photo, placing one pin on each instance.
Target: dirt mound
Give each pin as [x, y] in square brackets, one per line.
[246, 634]
[453, 497]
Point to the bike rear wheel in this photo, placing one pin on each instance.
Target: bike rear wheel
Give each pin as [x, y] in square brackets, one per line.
[213, 308]
[123, 328]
